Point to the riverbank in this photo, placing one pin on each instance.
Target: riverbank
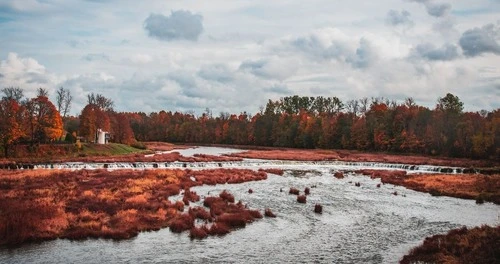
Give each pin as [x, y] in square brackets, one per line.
[463, 245]
[37, 205]
[490, 166]
[466, 186]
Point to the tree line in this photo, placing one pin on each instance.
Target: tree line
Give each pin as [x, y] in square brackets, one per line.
[375, 124]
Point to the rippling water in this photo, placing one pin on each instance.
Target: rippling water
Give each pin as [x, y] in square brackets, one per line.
[359, 225]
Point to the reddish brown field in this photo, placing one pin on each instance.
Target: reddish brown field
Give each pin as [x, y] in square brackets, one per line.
[467, 186]
[355, 156]
[47, 204]
[138, 157]
[477, 245]
[163, 146]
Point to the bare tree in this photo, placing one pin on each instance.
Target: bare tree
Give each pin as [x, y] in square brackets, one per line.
[11, 93]
[102, 102]
[63, 101]
[363, 108]
[42, 92]
[352, 107]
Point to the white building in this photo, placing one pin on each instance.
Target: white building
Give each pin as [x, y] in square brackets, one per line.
[102, 136]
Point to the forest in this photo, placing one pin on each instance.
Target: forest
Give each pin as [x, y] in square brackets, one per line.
[375, 124]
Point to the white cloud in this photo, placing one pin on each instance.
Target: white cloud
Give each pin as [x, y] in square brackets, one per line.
[246, 52]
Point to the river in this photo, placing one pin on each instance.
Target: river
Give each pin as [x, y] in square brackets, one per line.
[359, 225]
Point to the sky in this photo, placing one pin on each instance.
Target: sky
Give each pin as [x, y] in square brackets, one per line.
[233, 56]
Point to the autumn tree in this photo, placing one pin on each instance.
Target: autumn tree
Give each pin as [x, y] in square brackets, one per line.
[44, 121]
[10, 118]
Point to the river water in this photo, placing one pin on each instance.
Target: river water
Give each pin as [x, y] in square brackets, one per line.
[359, 225]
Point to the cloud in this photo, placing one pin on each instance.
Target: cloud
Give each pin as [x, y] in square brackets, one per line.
[141, 58]
[25, 73]
[437, 10]
[327, 43]
[180, 24]
[365, 55]
[396, 18]
[428, 51]
[96, 57]
[279, 89]
[434, 9]
[271, 68]
[477, 41]
[216, 72]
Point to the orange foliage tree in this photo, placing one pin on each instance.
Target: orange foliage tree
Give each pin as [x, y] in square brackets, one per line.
[10, 123]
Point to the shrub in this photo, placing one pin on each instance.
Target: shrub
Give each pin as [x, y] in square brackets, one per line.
[219, 229]
[301, 199]
[138, 145]
[294, 191]
[269, 213]
[200, 213]
[181, 223]
[307, 191]
[232, 220]
[210, 200]
[339, 175]
[318, 208]
[250, 191]
[198, 232]
[226, 196]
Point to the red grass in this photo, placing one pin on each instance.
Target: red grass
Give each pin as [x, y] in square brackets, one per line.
[191, 196]
[219, 229]
[355, 156]
[210, 200]
[48, 204]
[294, 191]
[181, 223]
[198, 232]
[307, 191]
[232, 220]
[226, 196]
[301, 199]
[477, 245]
[465, 186]
[318, 208]
[200, 213]
[269, 213]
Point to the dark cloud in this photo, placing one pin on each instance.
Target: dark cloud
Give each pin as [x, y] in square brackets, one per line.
[434, 9]
[256, 67]
[279, 89]
[96, 57]
[437, 10]
[396, 18]
[36, 78]
[477, 41]
[428, 51]
[216, 72]
[313, 46]
[180, 24]
[365, 55]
